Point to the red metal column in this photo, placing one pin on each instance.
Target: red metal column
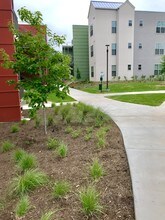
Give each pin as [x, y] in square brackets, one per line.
[9, 96]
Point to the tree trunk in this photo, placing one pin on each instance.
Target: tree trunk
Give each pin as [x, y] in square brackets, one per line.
[45, 121]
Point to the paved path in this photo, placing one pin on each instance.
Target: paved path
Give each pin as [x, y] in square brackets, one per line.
[143, 130]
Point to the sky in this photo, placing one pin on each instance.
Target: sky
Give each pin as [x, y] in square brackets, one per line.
[60, 15]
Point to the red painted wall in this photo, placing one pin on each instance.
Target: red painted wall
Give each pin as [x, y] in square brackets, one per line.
[9, 96]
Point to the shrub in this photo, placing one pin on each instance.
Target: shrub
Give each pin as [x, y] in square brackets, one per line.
[60, 189]
[14, 128]
[96, 169]
[89, 199]
[53, 143]
[6, 146]
[26, 162]
[47, 216]
[62, 150]
[22, 207]
[30, 180]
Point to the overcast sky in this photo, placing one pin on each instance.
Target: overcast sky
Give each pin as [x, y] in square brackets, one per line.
[60, 15]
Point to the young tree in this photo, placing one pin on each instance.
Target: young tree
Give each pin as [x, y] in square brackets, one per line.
[41, 68]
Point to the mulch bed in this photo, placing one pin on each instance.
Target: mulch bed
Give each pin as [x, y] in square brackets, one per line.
[114, 187]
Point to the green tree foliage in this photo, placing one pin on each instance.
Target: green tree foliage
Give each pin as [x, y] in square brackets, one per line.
[42, 69]
[163, 65]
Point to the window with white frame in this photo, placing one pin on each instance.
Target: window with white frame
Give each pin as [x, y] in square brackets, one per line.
[114, 26]
[160, 28]
[129, 45]
[91, 30]
[139, 67]
[92, 53]
[129, 66]
[159, 50]
[113, 48]
[113, 70]
[92, 71]
[157, 69]
[130, 23]
[141, 23]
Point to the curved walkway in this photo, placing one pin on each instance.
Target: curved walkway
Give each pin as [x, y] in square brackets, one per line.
[143, 129]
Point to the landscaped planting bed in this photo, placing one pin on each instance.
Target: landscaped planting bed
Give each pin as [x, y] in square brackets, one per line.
[77, 171]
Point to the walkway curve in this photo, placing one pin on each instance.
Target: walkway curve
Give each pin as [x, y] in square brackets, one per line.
[143, 129]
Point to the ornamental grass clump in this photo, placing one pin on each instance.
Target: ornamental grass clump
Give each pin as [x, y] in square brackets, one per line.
[18, 154]
[6, 146]
[76, 133]
[65, 110]
[96, 169]
[27, 182]
[22, 207]
[89, 199]
[60, 189]
[27, 162]
[62, 150]
[53, 143]
[50, 120]
[68, 130]
[101, 138]
[15, 128]
[47, 216]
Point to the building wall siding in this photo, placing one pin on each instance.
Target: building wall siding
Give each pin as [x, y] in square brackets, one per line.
[101, 19]
[10, 109]
[81, 51]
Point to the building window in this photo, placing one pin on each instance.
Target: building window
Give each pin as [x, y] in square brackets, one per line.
[92, 53]
[114, 26]
[113, 70]
[139, 67]
[129, 66]
[160, 28]
[157, 69]
[130, 23]
[113, 49]
[92, 71]
[129, 45]
[140, 45]
[159, 50]
[91, 30]
[141, 23]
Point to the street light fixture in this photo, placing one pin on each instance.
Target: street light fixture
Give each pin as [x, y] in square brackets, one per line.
[107, 65]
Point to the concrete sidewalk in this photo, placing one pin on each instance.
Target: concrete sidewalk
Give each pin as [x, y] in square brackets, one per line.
[143, 129]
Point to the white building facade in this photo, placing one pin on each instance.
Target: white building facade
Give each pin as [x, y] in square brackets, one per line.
[135, 39]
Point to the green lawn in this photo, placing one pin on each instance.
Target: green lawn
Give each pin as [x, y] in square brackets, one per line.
[122, 86]
[53, 98]
[144, 99]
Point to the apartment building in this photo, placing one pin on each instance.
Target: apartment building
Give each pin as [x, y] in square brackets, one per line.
[130, 42]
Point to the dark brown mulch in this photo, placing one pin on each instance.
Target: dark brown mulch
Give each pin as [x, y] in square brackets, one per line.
[114, 187]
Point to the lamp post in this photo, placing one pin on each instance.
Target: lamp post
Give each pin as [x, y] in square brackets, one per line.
[107, 65]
